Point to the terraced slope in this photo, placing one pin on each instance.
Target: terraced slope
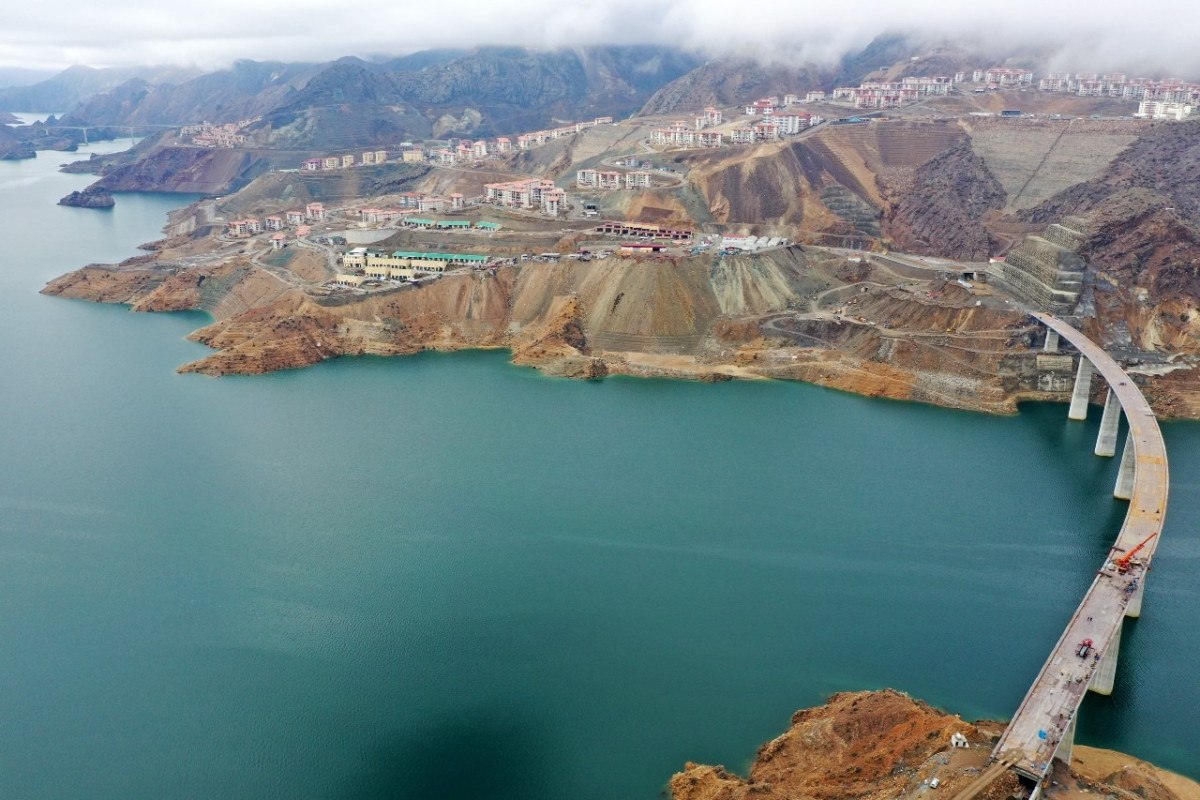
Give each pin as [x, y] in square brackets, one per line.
[1033, 162]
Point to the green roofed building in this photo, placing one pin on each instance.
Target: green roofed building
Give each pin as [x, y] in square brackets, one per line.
[453, 223]
[452, 258]
[488, 226]
[419, 223]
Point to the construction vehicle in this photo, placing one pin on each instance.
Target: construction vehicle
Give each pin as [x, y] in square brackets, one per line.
[1084, 649]
[1124, 562]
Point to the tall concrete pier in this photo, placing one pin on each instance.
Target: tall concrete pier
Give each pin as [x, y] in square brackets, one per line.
[1110, 422]
[1083, 390]
[1127, 473]
[1106, 672]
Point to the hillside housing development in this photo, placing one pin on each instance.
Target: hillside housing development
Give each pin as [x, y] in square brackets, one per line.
[1119, 85]
[227, 135]
[528, 194]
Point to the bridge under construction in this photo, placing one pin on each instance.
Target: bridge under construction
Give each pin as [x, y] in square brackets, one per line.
[1085, 656]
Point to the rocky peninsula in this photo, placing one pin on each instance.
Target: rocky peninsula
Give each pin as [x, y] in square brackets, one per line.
[91, 197]
[885, 745]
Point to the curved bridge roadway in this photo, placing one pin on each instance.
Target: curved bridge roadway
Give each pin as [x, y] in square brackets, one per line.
[1044, 724]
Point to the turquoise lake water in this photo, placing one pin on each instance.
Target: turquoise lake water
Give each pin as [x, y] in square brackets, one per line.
[445, 576]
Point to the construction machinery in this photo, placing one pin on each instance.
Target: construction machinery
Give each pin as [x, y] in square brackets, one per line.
[1124, 562]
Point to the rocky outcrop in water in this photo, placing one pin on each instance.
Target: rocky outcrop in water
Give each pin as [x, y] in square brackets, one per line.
[91, 197]
[12, 151]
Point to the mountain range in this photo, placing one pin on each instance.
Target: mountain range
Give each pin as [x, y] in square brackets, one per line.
[484, 91]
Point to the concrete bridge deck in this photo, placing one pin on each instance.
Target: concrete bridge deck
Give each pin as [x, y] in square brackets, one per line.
[1044, 724]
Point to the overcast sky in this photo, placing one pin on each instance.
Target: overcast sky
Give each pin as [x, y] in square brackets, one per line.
[1104, 33]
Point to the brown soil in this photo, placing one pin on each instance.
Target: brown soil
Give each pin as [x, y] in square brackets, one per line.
[885, 745]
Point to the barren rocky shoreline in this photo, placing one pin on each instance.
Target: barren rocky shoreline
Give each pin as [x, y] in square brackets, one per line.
[885, 745]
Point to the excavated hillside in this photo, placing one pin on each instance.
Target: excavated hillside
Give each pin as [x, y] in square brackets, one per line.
[1164, 160]
[886, 746]
[942, 212]
[841, 182]
[1036, 158]
[279, 190]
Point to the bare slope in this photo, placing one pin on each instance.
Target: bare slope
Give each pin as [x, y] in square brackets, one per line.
[1034, 161]
[886, 746]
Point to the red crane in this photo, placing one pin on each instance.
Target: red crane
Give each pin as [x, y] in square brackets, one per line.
[1124, 561]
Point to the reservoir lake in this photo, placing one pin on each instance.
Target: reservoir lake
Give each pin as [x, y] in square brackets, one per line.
[446, 576]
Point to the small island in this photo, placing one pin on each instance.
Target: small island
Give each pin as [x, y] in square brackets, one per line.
[92, 197]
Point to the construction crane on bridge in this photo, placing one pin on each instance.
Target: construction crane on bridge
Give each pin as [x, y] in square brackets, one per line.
[1124, 562]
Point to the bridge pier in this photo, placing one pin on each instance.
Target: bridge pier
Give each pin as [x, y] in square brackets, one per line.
[1106, 671]
[1083, 389]
[1051, 345]
[1067, 746]
[1125, 475]
[1110, 423]
[1134, 609]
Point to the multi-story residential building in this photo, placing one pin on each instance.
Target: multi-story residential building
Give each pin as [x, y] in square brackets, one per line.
[527, 194]
[273, 223]
[294, 216]
[314, 212]
[238, 227]
[504, 145]
[709, 139]
[348, 160]
[1008, 76]
[710, 117]
[1055, 82]
[597, 179]
[742, 135]
[790, 124]
[479, 150]
[311, 164]
[637, 180]
[331, 162]
[765, 131]
[679, 134]
[414, 156]
[928, 86]
[790, 100]
[814, 97]
[1157, 109]
[760, 107]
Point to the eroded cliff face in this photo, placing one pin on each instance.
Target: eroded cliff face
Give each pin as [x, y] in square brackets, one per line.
[885, 745]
